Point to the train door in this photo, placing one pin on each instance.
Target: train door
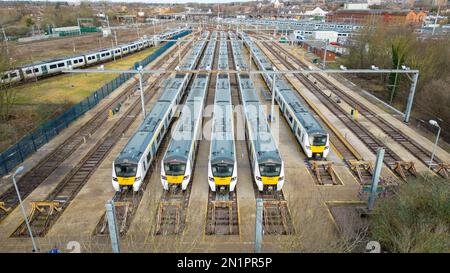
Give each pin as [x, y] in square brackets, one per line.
[44, 70]
[98, 57]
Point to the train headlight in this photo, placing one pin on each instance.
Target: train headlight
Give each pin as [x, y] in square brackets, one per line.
[280, 178]
[308, 147]
[138, 178]
[115, 179]
[233, 179]
[186, 177]
[163, 177]
[258, 178]
[211, 179]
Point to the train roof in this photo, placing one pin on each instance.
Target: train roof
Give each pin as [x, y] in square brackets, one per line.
[222, 139]
[182, 136]
[260, 133]
[308, 121]
[139, 142]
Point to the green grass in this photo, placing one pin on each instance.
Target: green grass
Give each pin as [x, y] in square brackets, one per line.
[72, 88]
[416, 218]
[40, 101]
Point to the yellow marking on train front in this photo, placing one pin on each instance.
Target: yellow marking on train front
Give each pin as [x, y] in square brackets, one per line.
[175, 179]
[317, 149]
[269, 180]
[126, 181]
[222, 180]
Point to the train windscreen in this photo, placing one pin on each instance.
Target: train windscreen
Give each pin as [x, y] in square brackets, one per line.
[126, 170]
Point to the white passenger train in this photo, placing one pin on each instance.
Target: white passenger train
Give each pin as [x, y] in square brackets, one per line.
[178, 162]
[56, 66]
[222, 164]
[266, 162]
[309, 133]
[132, 164]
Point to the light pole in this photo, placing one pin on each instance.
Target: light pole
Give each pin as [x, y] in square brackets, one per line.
[435, 124]
[19, 170]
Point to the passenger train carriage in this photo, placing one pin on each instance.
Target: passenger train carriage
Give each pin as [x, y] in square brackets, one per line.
[222, 165]
[265, 159]
[132, 164]
[313, 139]
[177, 164]
[56, 66]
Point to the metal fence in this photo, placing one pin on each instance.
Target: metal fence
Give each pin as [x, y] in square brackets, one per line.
[29, 144]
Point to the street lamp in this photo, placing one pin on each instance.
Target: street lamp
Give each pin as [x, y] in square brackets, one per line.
[435, 124]
[19, 170]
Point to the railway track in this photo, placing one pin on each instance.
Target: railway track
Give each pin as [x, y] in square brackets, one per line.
[404, 169]
[126, 202]
[398, 136]
[45, 213]
[172, 207]
[276, 216]
[32, 179]
[222, 213]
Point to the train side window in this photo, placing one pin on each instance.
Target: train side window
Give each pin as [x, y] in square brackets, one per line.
[28, 71]
[36, 70]
[80, 60]
[60, 64]
[149, 156]
[53, 66]
[13, 75]
[75, 61]
[159, 137]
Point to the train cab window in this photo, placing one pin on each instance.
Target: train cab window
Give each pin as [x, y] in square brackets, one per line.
[126, 170]
[319, 140]
[222, 170]
[174, 168]
[269, 170]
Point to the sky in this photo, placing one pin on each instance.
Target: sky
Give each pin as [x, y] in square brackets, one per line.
[151, 1]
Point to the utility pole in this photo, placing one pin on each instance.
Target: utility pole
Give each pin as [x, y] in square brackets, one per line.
[325, 54]
[141, 90]
[273, 96]
[435, 20]
[6, 43]
[411, 97]
[112, 225]
[258, 225]
[375, 179]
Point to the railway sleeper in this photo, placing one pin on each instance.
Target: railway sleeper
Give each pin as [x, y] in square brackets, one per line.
[123, 212]
[222, 211]
[166, 211]
[405, 169]
[279, 207]
[324, 173]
